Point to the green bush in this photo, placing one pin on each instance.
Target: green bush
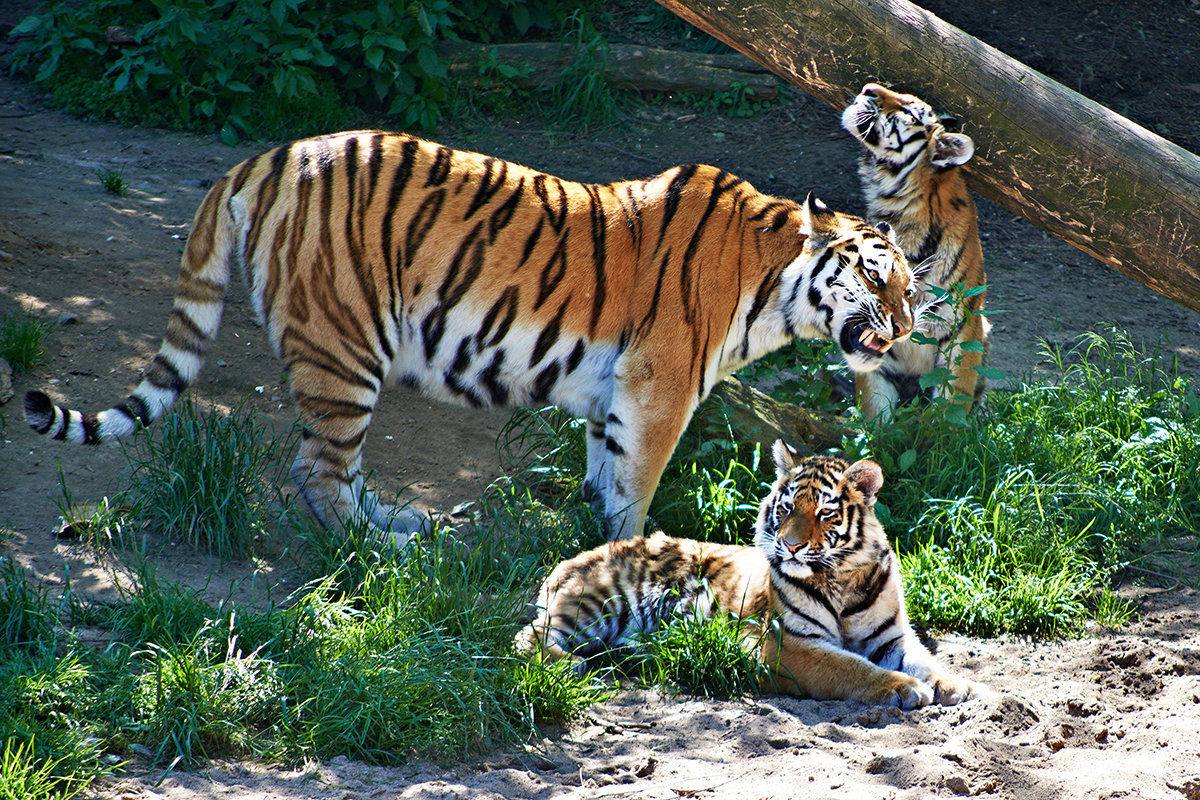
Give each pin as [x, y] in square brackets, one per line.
[255, 68]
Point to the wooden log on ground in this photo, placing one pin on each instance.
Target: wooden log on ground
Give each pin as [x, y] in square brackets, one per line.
[1065, 163]
[756, 417]
[624, 66]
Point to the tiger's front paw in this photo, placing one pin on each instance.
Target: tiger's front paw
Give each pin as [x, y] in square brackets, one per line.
[903, 691]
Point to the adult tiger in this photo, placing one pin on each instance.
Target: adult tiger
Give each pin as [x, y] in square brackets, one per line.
[375, 258]
[912, 179]
[821, 580]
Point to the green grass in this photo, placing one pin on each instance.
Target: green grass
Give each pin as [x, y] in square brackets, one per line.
[1017, 521]
[22, 341]
[1020, 520]
[204, 476]
[113, 181]
[704, 657]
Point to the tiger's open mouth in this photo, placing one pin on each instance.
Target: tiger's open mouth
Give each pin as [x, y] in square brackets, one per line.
[864, 340]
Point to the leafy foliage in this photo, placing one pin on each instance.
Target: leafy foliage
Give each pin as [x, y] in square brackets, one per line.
[251, 68]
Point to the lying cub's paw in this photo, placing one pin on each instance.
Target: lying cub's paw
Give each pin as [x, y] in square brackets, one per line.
[949, 690]
[902, 690]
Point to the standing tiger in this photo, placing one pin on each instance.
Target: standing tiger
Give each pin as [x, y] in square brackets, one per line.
[912, 179]
[375, 258]
[821, 580]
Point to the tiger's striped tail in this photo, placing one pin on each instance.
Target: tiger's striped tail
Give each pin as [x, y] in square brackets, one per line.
[199, 301]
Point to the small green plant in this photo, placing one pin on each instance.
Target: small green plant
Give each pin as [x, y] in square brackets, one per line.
[202, 476]
[704, 656]
[737, 101]
[22, 341]
[113, 181]
[26, 618]
[581, 96]
[941, 379]
[1019, 520]
[557, 690]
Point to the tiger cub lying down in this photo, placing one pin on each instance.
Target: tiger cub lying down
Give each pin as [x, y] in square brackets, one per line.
[821, 580]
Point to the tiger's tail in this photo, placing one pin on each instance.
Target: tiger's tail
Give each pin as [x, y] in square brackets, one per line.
[204, 274]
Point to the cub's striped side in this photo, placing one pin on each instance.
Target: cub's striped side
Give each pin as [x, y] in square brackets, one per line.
[912, 180]
[377, 258]
[821, 578]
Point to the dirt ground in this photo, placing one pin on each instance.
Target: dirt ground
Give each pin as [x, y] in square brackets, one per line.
[1114, 714]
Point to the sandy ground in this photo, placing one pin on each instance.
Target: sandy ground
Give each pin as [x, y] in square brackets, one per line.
[1114, 714]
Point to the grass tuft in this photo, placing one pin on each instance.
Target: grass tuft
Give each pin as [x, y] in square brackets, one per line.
[23, 341]
[113, 181]
[202, 475]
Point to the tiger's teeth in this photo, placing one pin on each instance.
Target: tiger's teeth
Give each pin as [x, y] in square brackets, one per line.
[866, 334]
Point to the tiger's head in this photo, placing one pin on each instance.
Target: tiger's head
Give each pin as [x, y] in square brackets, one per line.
[901, 130]
[859, 280]
[819, 516]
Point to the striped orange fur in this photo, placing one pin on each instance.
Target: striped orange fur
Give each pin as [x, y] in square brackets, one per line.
[912, 179]
[377, 258]
[821, 580]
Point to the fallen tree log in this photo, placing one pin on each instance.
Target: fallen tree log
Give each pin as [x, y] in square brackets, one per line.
[1086, 174]
[757, 417]
[623, 66]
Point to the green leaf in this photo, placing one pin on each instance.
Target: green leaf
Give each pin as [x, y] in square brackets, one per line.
[974, 290]
[393, 42]
[300, 54]
[229, 134]
[521, 19]
[431, 65]
[30, 23]
[992, 374]
[373, 57]
[907, 459]
[934, 378]
[971, 346]
[423, 21]
[921, 338]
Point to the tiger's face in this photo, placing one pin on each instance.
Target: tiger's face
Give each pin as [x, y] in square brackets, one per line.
[898, 128]
[819, 515]
[864, 284]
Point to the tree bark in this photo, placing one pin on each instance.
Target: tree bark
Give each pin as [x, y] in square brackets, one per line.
[645, 68]
[757, 417]
[1086, 174]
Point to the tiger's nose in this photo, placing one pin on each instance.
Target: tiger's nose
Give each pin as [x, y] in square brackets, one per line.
[792, 548]
[900, 329]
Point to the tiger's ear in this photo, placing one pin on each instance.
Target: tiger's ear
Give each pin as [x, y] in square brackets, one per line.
[867, 477]
[888, 231]
[809, 212]
[952, 150]
[785, 458]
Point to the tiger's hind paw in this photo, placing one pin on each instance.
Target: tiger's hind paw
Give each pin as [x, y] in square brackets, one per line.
[405, 525]
[949, 690]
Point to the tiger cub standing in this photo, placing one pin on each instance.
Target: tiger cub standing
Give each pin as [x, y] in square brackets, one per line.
[376, 258]
[821, 580]
[912, 179]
